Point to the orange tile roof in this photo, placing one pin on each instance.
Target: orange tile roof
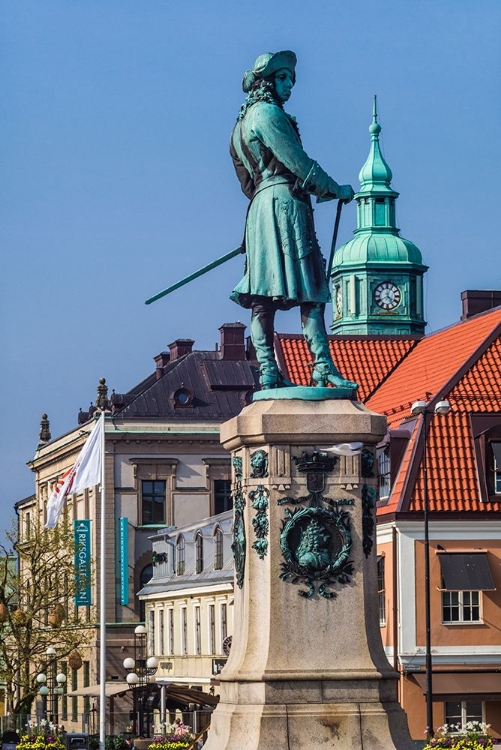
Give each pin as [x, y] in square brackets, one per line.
[461, 363]
[432, 363]
[426, 373]
[366, 360]
[450, 443]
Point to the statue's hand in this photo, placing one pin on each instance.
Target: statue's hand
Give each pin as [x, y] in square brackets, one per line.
[345, 193]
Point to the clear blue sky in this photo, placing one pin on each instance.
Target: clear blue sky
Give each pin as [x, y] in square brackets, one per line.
[115, 177]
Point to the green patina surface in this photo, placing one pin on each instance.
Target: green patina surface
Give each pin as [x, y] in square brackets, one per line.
[377, 276]
[284, 266]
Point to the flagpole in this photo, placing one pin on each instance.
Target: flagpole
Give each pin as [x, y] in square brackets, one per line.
[102, 599]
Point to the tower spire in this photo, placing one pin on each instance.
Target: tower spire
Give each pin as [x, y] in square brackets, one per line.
[375, 174]
[377, 276]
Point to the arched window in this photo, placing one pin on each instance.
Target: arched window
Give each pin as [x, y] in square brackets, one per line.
[180, 555]
[218, 549]
[199, 550]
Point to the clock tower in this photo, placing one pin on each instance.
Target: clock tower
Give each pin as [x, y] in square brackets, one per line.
[377, 277]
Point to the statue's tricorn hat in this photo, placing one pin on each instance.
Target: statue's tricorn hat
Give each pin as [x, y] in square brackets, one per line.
[267, 64]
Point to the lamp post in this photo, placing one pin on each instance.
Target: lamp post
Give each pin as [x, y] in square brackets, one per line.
[422, 407]
[51, 686]
[140, 670]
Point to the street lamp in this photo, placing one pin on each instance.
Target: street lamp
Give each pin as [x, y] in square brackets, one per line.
[51, 685]
[140, 671]
[422, 407]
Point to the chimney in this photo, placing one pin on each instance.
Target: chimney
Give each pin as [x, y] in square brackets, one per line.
[161, 360]
[180, 347]
[232, 341]
[476, 301]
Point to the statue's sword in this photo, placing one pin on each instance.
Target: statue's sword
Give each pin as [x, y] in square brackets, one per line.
[239, 251]
[334, 239]
[200, 272]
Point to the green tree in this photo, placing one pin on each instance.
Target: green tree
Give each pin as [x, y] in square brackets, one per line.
[37, 588]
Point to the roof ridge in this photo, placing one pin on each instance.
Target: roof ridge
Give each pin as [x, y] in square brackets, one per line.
[392, 370]
[472, 318]
[476, 354]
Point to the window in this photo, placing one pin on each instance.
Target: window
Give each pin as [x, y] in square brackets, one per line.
[224, 622]
[153, 502]
[384, 475]
[161, 632]
[151, 631]
[171, 631]
[496, 451]
[86, 682]
[180, 555]
[460, 606]
[381, 590]
[461, 712]
[199, 550]
[184, 631]
[218, 549]
[222, 496]
[198, 632]
[74, 698]
[212, 629]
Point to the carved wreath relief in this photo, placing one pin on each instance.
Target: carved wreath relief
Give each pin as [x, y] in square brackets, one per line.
[238, 545]
[316, 538]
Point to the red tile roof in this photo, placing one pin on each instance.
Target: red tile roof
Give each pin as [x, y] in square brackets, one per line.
[366, 360]
[432, 363]
[461, 363]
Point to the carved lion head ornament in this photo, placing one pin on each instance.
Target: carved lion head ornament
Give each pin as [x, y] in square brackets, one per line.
[267, 64]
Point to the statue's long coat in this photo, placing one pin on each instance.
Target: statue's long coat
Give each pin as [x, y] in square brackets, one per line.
[284, 261]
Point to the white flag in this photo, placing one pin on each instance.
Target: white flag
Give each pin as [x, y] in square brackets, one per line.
[86, 472]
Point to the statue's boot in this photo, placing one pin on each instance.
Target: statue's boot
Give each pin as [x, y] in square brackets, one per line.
[324, 371]
[262, 333]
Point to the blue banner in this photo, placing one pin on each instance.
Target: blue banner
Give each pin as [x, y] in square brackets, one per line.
[124, 561]
[83, 563]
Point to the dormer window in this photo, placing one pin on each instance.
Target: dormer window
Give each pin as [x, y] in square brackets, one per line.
[486, 429]
[384, 472]
[183, 397]
[218, 549]
[199, 552]
[180, 555]
[496, 467]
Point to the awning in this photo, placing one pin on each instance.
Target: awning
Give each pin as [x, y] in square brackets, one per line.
[94, 691]
[466, 571]
[177, 693]
[481, 685]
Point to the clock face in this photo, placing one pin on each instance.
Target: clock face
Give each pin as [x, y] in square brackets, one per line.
[387, 295]
[339, 299]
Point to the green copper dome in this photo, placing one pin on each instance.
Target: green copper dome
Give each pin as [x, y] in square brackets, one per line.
[377, 277]
[377, 238]
[377, 248]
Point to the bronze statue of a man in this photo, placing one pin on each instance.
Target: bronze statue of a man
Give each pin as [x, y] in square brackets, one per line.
[284, 266]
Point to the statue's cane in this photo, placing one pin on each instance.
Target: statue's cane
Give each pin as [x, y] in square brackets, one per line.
[334, 239]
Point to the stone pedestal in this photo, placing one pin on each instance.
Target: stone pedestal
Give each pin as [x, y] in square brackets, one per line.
[307, 668]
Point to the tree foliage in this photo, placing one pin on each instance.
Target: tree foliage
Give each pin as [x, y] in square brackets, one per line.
[37, 588]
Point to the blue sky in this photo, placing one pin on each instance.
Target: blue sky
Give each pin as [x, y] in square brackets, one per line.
[115, 179]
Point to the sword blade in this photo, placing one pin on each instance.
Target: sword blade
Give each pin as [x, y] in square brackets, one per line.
[196, 274]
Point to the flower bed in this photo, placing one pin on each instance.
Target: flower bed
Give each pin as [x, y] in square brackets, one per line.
[474, 736]
[44, 736]
[177, 737]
